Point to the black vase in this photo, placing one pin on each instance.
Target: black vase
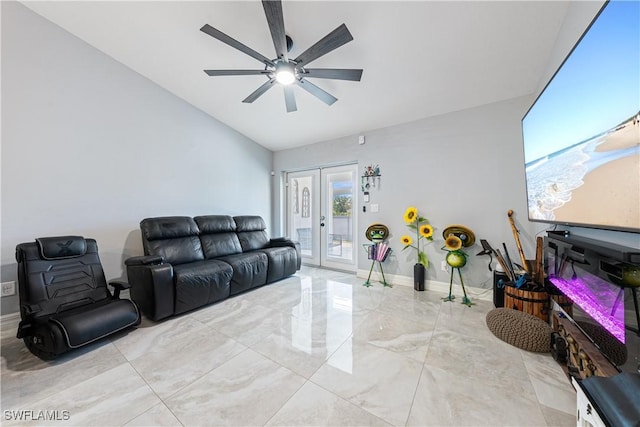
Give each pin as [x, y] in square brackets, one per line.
[418, 277]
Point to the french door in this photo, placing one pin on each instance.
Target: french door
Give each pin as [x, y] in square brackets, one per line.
[321, 215]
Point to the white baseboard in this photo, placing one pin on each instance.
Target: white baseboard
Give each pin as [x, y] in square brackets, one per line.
[429, 285]
[10, 317]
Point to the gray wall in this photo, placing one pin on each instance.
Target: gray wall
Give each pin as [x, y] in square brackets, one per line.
[460, 168]
[90, 147]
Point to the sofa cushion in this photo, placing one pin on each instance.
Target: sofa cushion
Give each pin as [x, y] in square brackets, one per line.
[220, 244]
[177, 251]
[249, 270]
[283, 262]
[174, 238]
[94, 321]
[251, 232]
[217, 235]
[200, 283]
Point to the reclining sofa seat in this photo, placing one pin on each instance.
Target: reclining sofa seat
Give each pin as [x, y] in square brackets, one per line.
[220, 241]
[192, 262]
[184, 279]
[283, 261]
[64, 299]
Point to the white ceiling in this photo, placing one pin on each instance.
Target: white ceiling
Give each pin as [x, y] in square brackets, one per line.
[420, 58]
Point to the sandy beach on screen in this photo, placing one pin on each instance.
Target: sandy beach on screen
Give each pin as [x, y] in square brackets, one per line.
[617, 184]
[628, 136]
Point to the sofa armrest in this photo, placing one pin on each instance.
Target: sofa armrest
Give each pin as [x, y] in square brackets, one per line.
[144, 260]
[118, 286]
[283, 241]
[152, 288]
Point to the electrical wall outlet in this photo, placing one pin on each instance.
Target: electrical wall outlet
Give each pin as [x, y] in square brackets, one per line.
[444, 266]
[8, 289]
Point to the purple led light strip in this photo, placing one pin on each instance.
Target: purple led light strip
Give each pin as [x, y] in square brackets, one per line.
[596, 303]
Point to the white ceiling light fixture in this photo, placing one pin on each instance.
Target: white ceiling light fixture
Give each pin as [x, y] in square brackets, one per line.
[285, 73]
[284, 70]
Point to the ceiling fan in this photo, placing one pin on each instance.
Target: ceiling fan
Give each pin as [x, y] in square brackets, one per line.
[284, 70]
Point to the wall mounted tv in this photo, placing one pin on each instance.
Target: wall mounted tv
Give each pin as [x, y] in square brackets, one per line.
[582, 134]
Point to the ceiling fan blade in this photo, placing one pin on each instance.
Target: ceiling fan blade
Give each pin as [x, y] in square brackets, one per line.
[275, 19]
[290, 99]
[217, 34]
[331, 41]
[258, 92]
[235, 72]
[314, 90]
[333, 73]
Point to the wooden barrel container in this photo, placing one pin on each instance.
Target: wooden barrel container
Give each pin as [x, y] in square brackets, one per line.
[528, 301]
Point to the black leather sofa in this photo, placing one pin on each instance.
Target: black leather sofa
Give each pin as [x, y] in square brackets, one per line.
[192, 262]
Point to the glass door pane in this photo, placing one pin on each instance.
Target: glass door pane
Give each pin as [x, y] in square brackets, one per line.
[338, 215]
[303, 212]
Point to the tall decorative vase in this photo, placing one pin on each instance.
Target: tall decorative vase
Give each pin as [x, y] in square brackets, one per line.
[418, 277]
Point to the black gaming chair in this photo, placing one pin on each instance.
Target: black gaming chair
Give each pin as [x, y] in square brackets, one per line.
[64, 299]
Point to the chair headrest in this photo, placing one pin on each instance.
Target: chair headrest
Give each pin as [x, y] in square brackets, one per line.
[62, 247]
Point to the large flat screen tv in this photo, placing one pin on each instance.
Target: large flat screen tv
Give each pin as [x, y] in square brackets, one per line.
[582, 134]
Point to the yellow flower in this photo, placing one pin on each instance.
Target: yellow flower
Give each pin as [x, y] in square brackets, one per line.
[453, 243]
[410, 215]
[426, 230]
[406, 240]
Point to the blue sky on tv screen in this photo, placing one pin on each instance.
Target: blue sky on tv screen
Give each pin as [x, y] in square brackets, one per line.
[597, 87]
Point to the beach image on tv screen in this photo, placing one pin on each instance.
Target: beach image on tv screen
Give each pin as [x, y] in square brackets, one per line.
[582, 135]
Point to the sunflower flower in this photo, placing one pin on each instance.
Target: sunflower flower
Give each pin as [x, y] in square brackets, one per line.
[426, 230]
[410, 215]
[423, 230]
[453, 243]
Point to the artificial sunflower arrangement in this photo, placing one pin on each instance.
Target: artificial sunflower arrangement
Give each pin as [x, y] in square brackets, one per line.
[423, 230]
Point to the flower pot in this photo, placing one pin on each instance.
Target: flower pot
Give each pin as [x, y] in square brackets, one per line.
[418, 277]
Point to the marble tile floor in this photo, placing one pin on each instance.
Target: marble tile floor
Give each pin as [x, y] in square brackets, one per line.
[316, 349]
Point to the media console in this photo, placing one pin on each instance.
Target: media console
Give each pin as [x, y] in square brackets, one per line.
[598, 335]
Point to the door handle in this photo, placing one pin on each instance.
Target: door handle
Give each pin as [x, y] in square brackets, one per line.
[322, 224]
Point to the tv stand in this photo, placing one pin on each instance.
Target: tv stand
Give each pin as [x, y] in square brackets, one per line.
[583, 358]
[586, 413]
[611, 401]
[598, 334]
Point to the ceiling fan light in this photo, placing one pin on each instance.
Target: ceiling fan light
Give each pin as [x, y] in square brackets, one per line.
[285, 73]
[285, 77]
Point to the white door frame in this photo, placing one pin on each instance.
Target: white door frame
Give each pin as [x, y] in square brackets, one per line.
[321, 246]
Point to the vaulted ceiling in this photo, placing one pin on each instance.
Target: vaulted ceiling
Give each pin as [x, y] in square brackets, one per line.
[420, 58]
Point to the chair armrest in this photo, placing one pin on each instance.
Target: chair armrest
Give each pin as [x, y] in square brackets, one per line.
[144, 260]
[118, 286]
[25, 327]
[29, 309]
